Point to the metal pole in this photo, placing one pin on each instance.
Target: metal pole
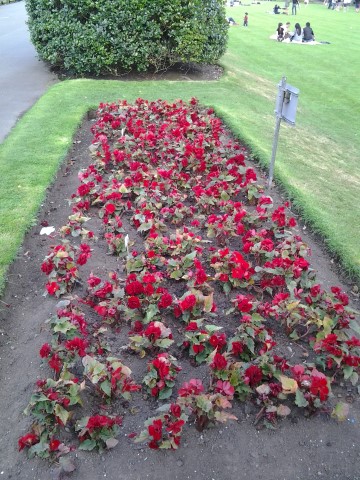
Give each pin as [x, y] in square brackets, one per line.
[277, 129]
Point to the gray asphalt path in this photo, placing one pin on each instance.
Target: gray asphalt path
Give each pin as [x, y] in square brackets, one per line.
[23, 77]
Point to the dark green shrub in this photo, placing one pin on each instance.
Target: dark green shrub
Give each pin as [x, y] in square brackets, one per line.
[111, 36]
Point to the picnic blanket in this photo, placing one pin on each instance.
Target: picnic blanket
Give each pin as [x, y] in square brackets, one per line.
[287, 40]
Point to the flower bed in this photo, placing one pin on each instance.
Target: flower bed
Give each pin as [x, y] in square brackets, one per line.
[206, 272]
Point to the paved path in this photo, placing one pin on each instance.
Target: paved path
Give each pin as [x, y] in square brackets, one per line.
[23, 78]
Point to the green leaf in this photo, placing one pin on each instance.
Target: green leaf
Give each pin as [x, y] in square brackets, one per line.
[151, 311]
[63, 327]
[202, 356]
[176, 275]
[62, 413]
[294, 336]
[164, 408]
[256, 317]
[174, 445]
[355, 326]
[229, 178]
[164, 343]
[134, 265]
[354, 379]
[106, 387]
[74, 396]
[212, 328]
[166, 444]
[250, 344]
[39, 449]
[348, 371]
[227, 287]
[328, 324]
[81, 424]
[208, 302]
[137, 339]
[300, 400]
[165, 393]
[250, 331]
[203, 403]
[144, 227]
[172, 263]
[87, 445]
[190, 256]
[142, 437]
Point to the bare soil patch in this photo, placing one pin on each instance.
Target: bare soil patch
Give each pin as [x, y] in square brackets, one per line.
[300, 448]
[176, 72]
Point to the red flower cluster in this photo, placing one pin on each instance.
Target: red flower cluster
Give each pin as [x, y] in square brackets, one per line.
[188, 303]
[27, 440]
[193, 387]
[219, 362]
[102, 421]
[253, 375]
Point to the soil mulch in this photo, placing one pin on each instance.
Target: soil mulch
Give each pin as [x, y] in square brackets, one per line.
[300, 448]
[176, 72]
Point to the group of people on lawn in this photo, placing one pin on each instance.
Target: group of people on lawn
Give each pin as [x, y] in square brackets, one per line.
[295, 4]
[305, 34]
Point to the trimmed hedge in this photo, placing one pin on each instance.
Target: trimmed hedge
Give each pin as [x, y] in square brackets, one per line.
[99, 37]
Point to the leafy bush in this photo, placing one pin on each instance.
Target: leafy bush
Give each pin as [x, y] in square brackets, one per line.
[112, 36]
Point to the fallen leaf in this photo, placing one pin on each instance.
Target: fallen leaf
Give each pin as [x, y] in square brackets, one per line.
[340, 411]
[67, 465]
[111, 442]
[288, 385]
[263, 389]
[283, 411]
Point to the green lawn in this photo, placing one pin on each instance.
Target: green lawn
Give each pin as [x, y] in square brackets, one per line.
[317, 161]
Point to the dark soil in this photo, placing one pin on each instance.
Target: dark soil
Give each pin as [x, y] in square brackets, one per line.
[300, 448]
[178, 71]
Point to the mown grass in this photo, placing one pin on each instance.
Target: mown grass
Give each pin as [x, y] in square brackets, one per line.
[317, 161]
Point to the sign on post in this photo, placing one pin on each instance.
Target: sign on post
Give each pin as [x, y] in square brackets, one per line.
[286, 103]
[285, 109]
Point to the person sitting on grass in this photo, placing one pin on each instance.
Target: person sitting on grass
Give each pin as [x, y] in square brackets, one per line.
[297, 35]
[280, 32]
[287, 33]
[277, 10]
[308, 34]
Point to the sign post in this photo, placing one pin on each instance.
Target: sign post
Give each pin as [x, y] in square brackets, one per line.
[286, 104]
